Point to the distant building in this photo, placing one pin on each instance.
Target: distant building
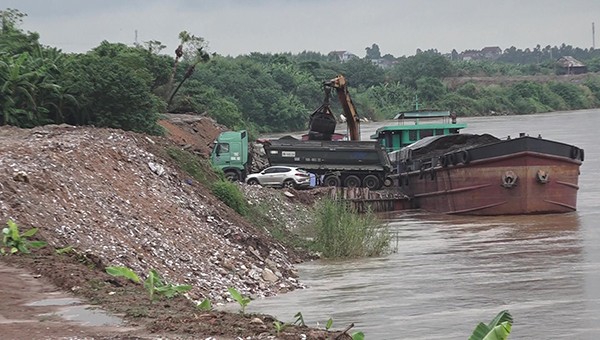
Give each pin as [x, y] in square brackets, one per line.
[469, 55]
[487, 53]
[342, 56]
[384, 63]
[492, 52]
[570, 65]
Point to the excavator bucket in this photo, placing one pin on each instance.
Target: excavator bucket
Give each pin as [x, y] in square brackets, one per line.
[322, 124]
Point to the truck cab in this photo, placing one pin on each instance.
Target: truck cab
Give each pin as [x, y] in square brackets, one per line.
[230, 154]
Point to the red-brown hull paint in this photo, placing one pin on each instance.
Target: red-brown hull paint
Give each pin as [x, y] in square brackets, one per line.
[477, 188]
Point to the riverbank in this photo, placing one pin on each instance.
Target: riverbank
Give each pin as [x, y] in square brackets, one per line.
[103, 197]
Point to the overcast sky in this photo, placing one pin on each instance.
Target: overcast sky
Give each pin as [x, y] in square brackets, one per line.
[234, 27]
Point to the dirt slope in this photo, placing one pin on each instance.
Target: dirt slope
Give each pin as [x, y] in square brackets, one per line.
[109, 195]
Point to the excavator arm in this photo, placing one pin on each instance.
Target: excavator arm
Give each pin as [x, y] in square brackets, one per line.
[322, 121]
[340, 85]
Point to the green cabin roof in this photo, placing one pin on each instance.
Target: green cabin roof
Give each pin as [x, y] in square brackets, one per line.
[423, 114]
[403, 133]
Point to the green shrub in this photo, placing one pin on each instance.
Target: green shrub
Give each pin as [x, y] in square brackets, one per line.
[13, 241]
[230, 194]
[341, 232]
[154, 283]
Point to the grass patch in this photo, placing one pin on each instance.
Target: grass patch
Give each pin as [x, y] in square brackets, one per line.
[258, 215]
[198, 168]
[341, 232]
[230, 194]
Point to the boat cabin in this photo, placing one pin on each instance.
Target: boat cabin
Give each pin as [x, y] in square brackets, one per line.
[415, 125]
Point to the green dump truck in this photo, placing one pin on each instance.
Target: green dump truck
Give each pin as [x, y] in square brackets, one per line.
[230, 154]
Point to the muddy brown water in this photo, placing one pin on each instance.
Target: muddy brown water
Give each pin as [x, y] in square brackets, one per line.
[450, 272]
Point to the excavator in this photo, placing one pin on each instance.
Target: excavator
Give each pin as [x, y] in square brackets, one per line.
[322, 120]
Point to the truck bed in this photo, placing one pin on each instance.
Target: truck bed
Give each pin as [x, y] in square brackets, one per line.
[328, 155]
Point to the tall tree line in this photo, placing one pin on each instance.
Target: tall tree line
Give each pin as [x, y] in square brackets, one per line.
[128, 87]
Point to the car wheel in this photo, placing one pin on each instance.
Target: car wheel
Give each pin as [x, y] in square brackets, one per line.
[288, 183]
[253, 181]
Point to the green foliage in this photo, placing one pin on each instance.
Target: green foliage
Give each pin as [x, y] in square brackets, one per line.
[299, 319]
[123, 272]
[329, 324]
[498, 329]
[229, 193]
[205, 305]
[430, 89]
[64, 250]
[384, 101]
[109, 86]
[358, 336]
[198, 168]
[154, 284]
[13, 241]
[243, 301]
[342, 232]
[593, 84]
[120, 86]
[279, 326]
[424, 64]
[115, 89]
[571, 94]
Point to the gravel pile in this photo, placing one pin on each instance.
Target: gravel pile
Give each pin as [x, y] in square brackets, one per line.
[106, 194]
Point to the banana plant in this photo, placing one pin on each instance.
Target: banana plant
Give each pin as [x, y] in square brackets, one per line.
[497, 329]
[13, 241]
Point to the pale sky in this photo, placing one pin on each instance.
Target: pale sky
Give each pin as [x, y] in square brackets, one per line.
[234, 27]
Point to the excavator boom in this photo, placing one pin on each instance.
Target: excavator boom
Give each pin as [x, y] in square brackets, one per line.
[340, 85]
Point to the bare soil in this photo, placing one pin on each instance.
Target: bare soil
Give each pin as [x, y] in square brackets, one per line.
[118, 200]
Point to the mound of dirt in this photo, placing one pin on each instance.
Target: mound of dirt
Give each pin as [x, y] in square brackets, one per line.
[193, 132]
[111, 197]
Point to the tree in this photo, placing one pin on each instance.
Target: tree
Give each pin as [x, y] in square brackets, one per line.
[114, 89]
[192, 50]
[17, 91]
[454, 54]
[30, 92]
[373, 52]
[424, 64]
[430, 89]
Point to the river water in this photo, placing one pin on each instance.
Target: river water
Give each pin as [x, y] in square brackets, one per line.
[450, 272]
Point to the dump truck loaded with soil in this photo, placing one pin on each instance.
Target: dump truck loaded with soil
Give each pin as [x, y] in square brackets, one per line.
[337, 163]
[352, 163]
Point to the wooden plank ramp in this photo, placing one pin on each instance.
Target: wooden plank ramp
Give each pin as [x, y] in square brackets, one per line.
[363, 199]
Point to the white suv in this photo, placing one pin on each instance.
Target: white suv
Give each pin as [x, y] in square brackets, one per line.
[281, 176]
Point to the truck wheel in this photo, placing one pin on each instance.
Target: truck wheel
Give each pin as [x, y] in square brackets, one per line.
[232, 176]
[372, 182]
[352, 181]
[332, 181]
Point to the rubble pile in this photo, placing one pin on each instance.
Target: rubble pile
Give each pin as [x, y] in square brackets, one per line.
[104, 193]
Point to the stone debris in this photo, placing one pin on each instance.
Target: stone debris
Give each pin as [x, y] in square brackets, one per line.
[109, 196]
